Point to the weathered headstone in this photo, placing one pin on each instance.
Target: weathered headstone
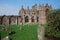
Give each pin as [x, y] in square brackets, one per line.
[6, 38]
[40, 32]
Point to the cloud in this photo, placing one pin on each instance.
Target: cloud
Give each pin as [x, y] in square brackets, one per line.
[6, 9]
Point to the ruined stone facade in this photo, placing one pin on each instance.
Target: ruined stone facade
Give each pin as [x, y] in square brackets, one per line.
[35, 15]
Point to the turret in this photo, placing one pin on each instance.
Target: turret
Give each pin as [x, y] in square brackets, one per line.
[34, 7]
[28, 10]
[48, 7]
[42, 16]
[41, 7]
[22, 11]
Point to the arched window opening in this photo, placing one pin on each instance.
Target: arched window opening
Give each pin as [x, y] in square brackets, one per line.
[26, 19]
[47, 10]
[37, 19]
[32, 18]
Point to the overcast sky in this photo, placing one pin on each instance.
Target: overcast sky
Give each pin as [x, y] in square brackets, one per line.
[12, 7]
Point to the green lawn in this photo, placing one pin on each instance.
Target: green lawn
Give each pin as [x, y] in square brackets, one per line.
[3, 32]
[28, 32]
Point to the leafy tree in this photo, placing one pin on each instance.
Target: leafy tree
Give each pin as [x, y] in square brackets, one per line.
[53, 21]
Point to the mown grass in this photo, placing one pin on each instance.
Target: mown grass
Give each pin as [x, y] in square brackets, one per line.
[3, 31]
[28, 32]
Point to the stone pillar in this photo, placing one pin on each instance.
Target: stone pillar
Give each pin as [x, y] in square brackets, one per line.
[23, 19]
[40, 20]
[35, 20]
[29, 19]
[16, 20]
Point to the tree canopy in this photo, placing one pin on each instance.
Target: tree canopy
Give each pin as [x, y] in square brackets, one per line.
[53, 22]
